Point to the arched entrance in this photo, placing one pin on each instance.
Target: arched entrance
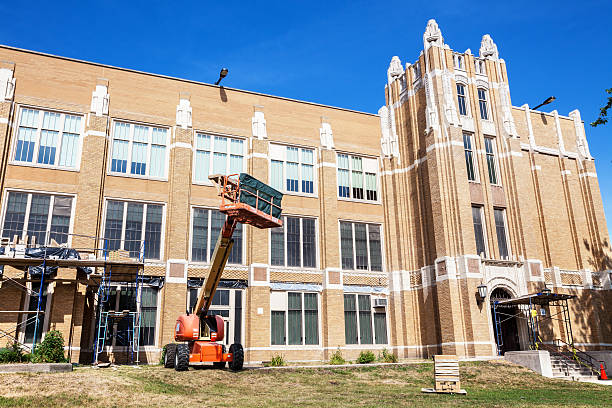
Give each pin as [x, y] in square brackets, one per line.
[508, 338]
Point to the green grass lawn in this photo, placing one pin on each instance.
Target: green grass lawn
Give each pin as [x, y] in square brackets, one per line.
[492, 384]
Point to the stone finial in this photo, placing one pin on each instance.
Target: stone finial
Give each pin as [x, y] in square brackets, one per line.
[388, 139]
[488, 48]
[184, 111]
[395, 69]
[100, 98]
[326, 134]
[258, 124]
[7, 84]
[433, 35]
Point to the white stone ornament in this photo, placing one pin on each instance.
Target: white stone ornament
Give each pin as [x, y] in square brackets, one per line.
[7, 84]
[506, 108]
[488, 49]
[388, 139]
[258, 125]
[327, 136]
[184, 113]
[581, 143]
[433, 35]
[395, 69]
[99, 100]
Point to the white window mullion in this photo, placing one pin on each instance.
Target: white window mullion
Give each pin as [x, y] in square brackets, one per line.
[301, 243]
[50, 215]
[60, 137]
[303, 336]
[144, 225]
[41, 115]
[128, 165]
[354, 247]
[124, 225]
[357, 319]
[149, 145]
[368, 246]
[27, 217]
[208, 234]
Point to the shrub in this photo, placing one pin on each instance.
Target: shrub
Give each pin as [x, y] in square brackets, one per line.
[163, 355]
[277, 361]
[387, 357]
[366, 357]
[51, 350]
[336, 358]
[12, 353]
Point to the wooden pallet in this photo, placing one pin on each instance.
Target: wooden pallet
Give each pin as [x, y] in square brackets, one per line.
[446, 375]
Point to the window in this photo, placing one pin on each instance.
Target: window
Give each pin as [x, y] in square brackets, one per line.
[482, 103]
[360, 246]
[31, 318]
[139, 150]
[294, 244]
[459, 62]
[134, 227]
[416, 67]
[480, 67]
[226, 303]
[500, 229]
[357, 177]
[491, 162]
[295, 318]
[292, 169]
[206, 229]
[461, 99]
[123, 297]
[362, 324]
[43, 216]
[217, 155]
[479, 234]
[469, 156]
[48, 138]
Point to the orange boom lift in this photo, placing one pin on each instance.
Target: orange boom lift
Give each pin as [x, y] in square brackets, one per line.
[198, 335]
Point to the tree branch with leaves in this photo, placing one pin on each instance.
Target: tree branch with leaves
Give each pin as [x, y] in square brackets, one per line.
[603, 112]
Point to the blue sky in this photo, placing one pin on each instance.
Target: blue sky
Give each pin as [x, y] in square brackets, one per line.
[336, 52]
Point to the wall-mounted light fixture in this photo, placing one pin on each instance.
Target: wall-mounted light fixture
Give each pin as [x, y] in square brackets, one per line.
[482, 292]
[546, 102]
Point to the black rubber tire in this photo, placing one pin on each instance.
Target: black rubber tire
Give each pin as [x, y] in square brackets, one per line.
[170, 355]
[181, 360]
[237, 357]
[220, 364]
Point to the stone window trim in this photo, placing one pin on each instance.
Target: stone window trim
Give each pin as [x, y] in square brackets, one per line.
[15, 129]
[53, 194]
[212, 135]
[132, 124]
[316, 242]
[210, 238]
[382, 245]
[315, 165]
[364, 171]
[127, 201]
[274, 296]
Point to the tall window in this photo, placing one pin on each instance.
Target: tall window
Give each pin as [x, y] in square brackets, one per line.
[479, 234]
[360, 246]
[459, 62]
[217, 155]
[207, 225]
[480, 67]
[44, 216]
[294, 244]
[124, 297]
[469, 156]
[461, 99]
[139, 150]
[491, 161]
[30, 319]
[292, 169]
[134, 227]
[48, 138]
[226, 303]
[363, 324]
[295, 319]
[357, 177]
[500, 229]
[482, 103]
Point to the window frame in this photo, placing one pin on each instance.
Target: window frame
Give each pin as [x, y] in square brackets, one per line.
[350, 170]
[480, 67]
[382, 245]
[466, 102]
[210, 243]
[132, 124]
[21, 332]
[473, 155]
[28, 208]
[506, 232]
[212, 135]
[359, 344]
[316, 235]
[162, 241]
[493, 154]
[484, 101]
[315, 175]
[113, 347]
[459, 61]
[286, 345]
[484, 230]
[34, 163]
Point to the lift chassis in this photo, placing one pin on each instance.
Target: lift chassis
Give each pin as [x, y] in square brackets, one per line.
[198, 334]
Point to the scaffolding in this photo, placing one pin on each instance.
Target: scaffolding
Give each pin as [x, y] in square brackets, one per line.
[101, 260]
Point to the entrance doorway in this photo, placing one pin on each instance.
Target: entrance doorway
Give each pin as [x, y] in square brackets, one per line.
[508, 338]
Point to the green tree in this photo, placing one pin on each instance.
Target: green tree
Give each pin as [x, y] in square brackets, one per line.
[603, 112]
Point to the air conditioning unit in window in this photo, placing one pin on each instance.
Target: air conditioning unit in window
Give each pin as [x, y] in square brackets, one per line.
[380, 302]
